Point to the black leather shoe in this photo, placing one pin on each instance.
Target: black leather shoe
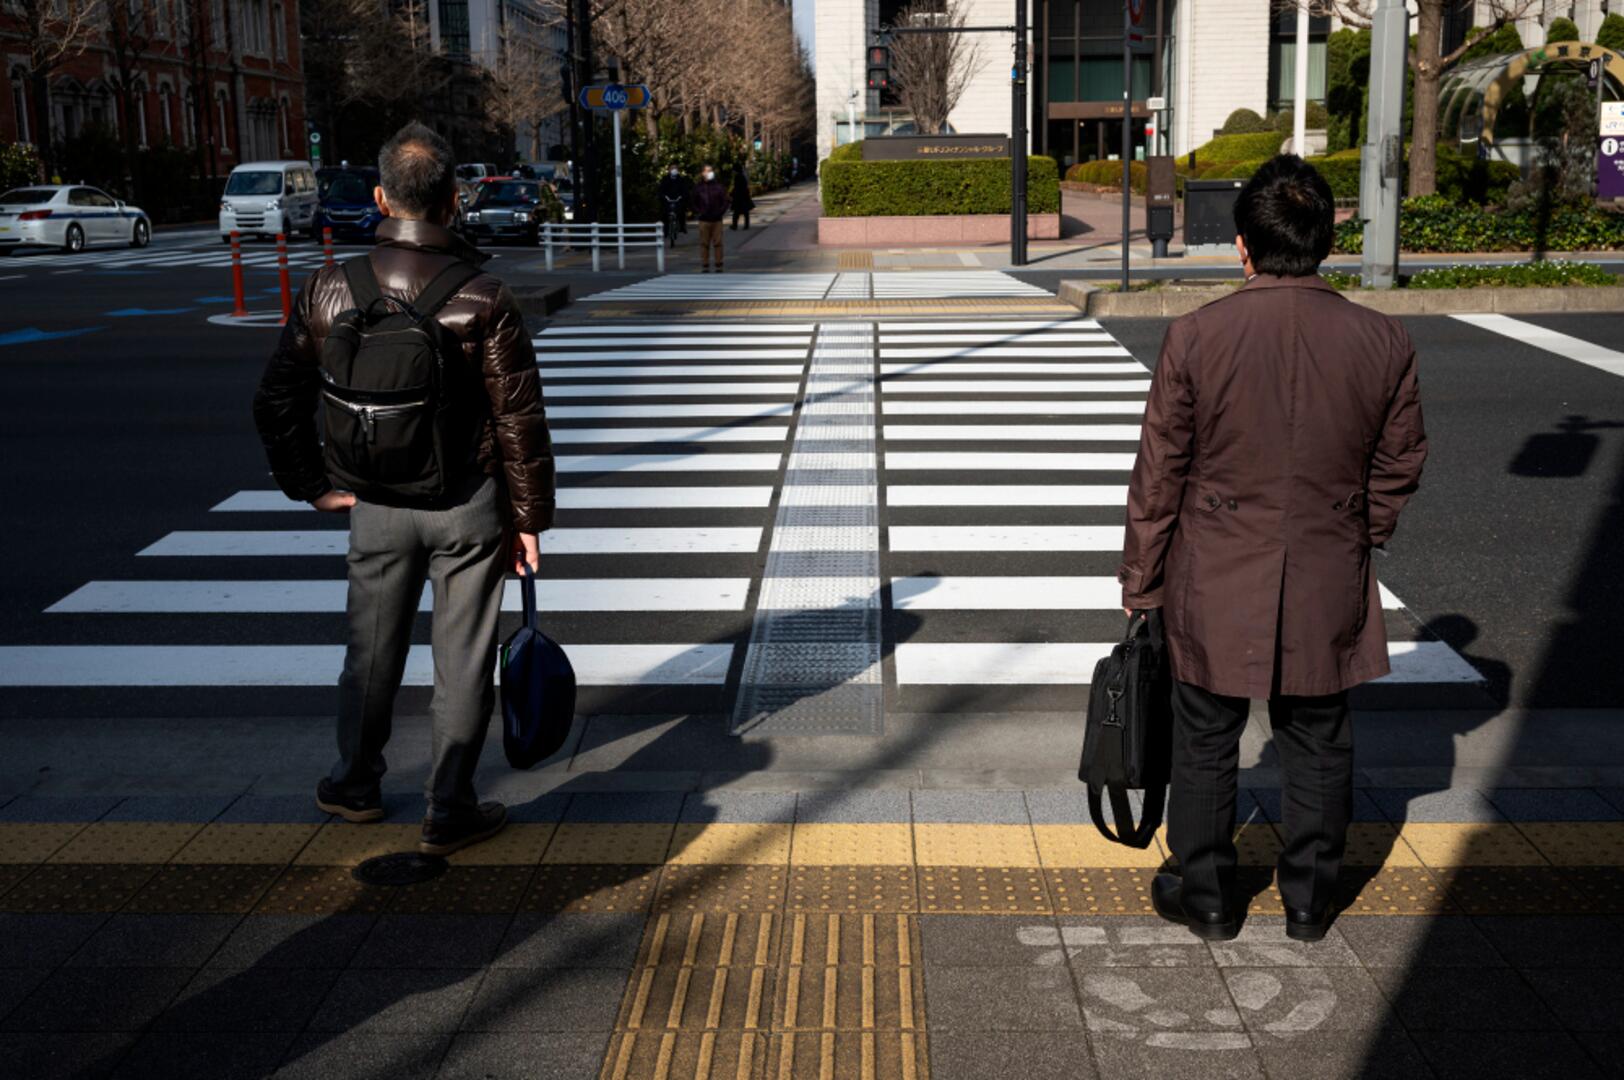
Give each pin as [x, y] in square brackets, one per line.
[1304, 925]
[1167, 897]
[355, 809]
[444, 837]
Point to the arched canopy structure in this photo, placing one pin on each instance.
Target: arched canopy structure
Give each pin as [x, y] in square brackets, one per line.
[1473, 93]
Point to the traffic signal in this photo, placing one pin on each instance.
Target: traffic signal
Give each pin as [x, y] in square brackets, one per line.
[879, 67]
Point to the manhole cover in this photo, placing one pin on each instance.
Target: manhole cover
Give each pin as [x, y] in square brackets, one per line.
[401, 868]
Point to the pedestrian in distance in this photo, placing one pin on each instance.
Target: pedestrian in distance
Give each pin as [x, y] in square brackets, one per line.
[675, 191]
[711, 202]
[435, 443]
[742, 202]
[1281, 438]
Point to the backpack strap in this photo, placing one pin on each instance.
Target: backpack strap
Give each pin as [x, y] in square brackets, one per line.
[443, 287]
[363, 281]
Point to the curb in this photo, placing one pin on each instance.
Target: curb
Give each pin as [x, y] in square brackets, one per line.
[1176, 301]
[541, 300]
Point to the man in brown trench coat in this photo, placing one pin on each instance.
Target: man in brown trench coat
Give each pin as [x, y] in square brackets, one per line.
[1282, 436]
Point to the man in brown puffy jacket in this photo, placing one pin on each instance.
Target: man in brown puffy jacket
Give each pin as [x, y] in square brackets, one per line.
[463, 543]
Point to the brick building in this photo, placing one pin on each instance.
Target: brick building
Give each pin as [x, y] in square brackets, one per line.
[221, 78]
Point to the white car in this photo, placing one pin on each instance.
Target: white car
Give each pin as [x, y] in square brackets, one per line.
[70, 217]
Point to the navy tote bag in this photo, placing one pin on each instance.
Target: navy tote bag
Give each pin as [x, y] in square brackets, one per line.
[538, 688]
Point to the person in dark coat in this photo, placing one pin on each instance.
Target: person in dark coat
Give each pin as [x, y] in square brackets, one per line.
[710, 206]
[1282, 437]
[675, 191]
[742, 202]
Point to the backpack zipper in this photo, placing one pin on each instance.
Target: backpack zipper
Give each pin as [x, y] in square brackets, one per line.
[369, 414]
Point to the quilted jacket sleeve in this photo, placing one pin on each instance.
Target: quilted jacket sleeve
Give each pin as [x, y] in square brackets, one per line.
[518, 417]
[1156, 488]
[1401, 448]
[285, 407]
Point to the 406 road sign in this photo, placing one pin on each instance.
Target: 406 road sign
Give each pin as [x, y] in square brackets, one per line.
[614, 97]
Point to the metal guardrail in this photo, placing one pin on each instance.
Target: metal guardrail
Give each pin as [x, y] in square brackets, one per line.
[598, 235]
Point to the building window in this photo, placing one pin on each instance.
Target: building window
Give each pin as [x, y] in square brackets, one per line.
[166, 102]
[220, 122]
[138, 102]
[454, 27]
[160, 18]
[19, 105]
[189, 120]
[1283, 59]
[287, 134]
[279, 34]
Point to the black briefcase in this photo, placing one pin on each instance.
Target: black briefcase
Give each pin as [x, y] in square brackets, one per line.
[1127, 741]
[538, 688]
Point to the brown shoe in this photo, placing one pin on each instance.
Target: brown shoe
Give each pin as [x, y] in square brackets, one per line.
[356, 809]
[444, 837]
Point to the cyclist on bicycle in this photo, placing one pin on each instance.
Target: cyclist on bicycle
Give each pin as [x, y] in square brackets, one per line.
[674, 191]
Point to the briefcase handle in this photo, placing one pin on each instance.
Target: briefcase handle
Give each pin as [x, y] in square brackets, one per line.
[527, 594]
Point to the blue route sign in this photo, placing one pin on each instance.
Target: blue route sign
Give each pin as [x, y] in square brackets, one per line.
[614, 97]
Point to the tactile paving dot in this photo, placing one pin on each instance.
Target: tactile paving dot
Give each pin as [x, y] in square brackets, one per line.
[340, 843]
[1590, 843]
[806, 1055]
[11, 874]
[321, 890]
[591, 887]
[466, 890]
[517, 845]
[34, 843]
[618, 844]
[975, 845]
[836, 844]
[1372, 843]
[1082, 845]
[127, 842]
[1451, 845]
[713, 1055]
[852, 888]
[78, 887]
[1603, 884]
[204, 888]
[720, 888]
[1517, 890]
[226, 843]
[1392, 891]
[735, 843]
[1100, 891]
[983, 889]
[711, 939]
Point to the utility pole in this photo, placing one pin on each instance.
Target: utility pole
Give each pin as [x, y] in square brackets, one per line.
[1299, 119]
[1127, 132]
[1017, 143]
[581, 64]
[1381, 161]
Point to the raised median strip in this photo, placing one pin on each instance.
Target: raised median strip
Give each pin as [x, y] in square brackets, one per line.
[1175, 300]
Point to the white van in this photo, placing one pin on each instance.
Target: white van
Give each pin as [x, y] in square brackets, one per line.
[263, 198]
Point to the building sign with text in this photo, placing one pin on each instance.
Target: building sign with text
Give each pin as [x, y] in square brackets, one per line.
[934, 147]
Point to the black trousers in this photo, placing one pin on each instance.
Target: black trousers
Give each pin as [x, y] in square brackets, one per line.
[741, 213]
[1314, 737]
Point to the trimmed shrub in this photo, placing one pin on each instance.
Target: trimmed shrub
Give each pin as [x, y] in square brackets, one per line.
[852, 151]
[1518, 275]
[1318, 118]
[1437, 223]
[1108, 174]
[1561, 29]
[1611, 34]
[1245, 122]
[1229, 149]
[915, 188]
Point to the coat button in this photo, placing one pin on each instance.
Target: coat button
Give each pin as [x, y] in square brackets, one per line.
[1212, 501]
[1233, 505]
[1336, 506]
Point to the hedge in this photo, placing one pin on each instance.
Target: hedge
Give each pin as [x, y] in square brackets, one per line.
[914, 188]
[852, 151]
[1436, 223]
[1460, 178]
[1228, 149]
[1108, 174]
[1515, 275]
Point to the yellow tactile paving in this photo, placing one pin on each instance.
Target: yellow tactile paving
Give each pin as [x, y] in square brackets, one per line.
[199, 888]
[852, 888]
[321, 890]
[127, 842]
[1093, 891]
[592, 843]
[516, 845]
[339, 843]
[1394, 890]
[685, 1055]
[604, 887]
[466, 890]
[975, 845]
[983, 890]
[35, 843]
[269, 845]
[834, 844]
[81, 887]
[1083, 846]
[740, 844]
[836, 1055]
[1450, 845]
[1590, 843]
[1373, 843]
[1256, 844]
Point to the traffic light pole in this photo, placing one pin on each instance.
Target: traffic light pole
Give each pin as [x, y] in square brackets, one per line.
[1127, 136]
[1017, 143]
[581, 61]
[1381, 164]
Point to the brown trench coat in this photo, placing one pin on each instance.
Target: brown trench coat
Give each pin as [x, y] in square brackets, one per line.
[1282, 436]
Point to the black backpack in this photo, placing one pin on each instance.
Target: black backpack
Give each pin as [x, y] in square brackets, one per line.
[1127, 742]
[400, 423]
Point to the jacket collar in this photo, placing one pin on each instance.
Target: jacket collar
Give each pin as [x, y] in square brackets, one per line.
[1272, 281]
[426, 236]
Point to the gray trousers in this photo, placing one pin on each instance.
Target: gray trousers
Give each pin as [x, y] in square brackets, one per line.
[461, 551]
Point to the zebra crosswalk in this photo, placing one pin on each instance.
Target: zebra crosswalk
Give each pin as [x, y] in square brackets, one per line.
[934, 507]
[844, 285]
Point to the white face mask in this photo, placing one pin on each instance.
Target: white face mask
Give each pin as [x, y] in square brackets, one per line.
[709, 175]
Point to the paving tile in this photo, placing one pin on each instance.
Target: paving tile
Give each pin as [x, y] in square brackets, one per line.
[77, 887]
[126, 842]
[22, 844]
[975, 845]
[1000, 999]
[339, 843]
[1372, 843]
[713, 940]
[1392, 890]
[1385, 1054]
[241, 1056]
[321, 890]
[633, 1055]
[979, 941]
[681, 998]
[1464, 999]
[1606, 1049]
[171, 808]
[43, 941]
[364, 1056]
[1083, 846]
[1269, 804]
[98, 999]
[1116, 891]
[1448, 805]
[488, 1056]
[293, 941]
[432, 941]
[1599, 843]
[730, 843]
[1306, 1001]
[609, 843]
[273, 810]
[1111, 941]
[76, 1056]
[519, 844]
[1178, 1055]
[1525, 890]
[1583, 999]
[738, 807]
[406, 1000]
[852, 888]
[1049, 1055]
[130, 940]
[853, 807]
[547, 999]
[970, 807]
[16, 984]
[1553, 804]
[466, 890]
[1069, 806]
[808, 1055]
[609, 887]
[1262, 942]
[1565, 941]
[248, 999]
[1614, 796]
[719, 887]
[57, 808]
[985, 889]
[534, 809]
[570, 940]
[1405, 941]
[232, 843]
[1505, 1053]
[12, 874]
[628, 807]
[215, 888]
[400, 807]
[851, 844]
[1142, 1001]
[1448, 845]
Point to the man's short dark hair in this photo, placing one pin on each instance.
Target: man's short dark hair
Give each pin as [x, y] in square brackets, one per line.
[417, 170]
[1286, 214]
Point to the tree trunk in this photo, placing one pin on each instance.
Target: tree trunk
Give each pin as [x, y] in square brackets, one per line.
[1428, 77]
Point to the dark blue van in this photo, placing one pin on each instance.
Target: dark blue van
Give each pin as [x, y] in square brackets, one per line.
[347, 206]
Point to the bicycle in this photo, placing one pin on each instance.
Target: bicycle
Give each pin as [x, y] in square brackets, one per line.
[672, 219]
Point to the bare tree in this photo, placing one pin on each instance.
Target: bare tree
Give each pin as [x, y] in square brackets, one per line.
[129, 35]
[53, 32]
[930, 72]
[365, 55]
[523, 93]
[1428, 62]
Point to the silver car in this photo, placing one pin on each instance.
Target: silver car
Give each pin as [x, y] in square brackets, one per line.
[70, 217]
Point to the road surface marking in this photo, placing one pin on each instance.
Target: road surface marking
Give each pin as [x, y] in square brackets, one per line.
[1014, 432]
[1564, 345]
[1006, 537]
[653, 541]
[969, 461]
[1006, 494]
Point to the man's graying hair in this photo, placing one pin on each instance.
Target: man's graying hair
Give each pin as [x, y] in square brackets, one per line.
[417, 171]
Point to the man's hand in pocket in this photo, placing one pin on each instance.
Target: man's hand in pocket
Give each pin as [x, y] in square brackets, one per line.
[334, 502]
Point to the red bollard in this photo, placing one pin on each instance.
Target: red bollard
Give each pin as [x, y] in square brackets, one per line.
[327, 243]
[282, 272]
[241, 308]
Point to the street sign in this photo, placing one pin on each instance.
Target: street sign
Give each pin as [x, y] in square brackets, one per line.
[1156, 104]
[315, 138]
[1612, 118]
[613, 97]
[1136, 17]
[1610, 169]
